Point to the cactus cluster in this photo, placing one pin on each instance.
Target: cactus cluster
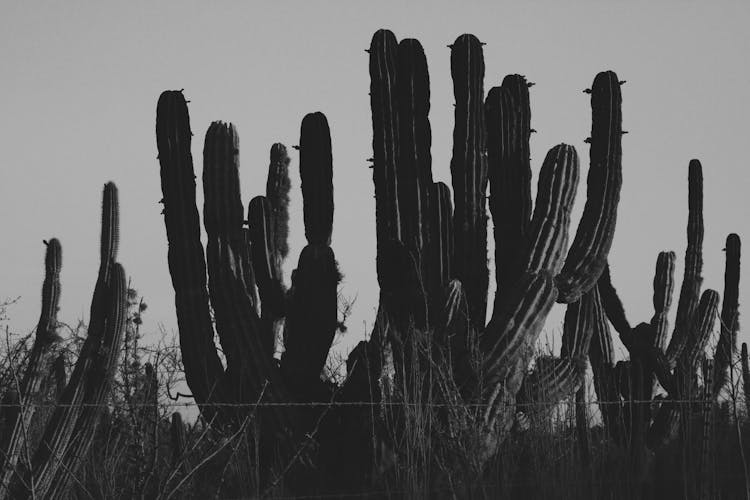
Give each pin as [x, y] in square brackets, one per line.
[534, 266]
[248, 298]
[431, 257]
[43, 463]
[674, 365]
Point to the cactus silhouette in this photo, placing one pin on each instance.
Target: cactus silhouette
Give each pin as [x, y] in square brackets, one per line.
[70, 429]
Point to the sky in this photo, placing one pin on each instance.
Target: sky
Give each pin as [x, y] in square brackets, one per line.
[80, 82]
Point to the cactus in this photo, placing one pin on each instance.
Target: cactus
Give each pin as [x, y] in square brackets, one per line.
[509, 174]
[311, 324]
[72, 426]
[187, 265]
[588, 252]
[745, 376]
[730, 323]
[691, 280]
[469, 175]
[675, 365]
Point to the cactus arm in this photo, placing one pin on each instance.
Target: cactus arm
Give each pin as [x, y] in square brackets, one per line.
[558, 180]
[691, 280]
[663, 289]
[730, 324]
[187, 265]
[509, 173]
[506, 343]
[249, 272]
[385, 129]
[508, 115]
[588, 253]
[267, 269]
[469, 175]
[415, 138]
[703, 324]
[278, 186]
[15, 440]
[316, 171]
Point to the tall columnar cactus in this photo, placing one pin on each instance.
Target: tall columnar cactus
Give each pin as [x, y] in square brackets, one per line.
[507, 113]
[469, 174]
[691, 280]
[384, 103]
[730, 322]
[268, 220]
[415, 138]
[312, 319]
[72, 426]
[187, 265]
[31, 390]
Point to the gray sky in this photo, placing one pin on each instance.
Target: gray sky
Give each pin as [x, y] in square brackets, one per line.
[80, 81]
